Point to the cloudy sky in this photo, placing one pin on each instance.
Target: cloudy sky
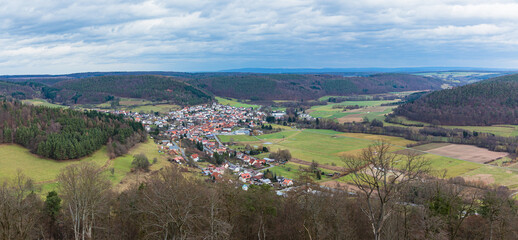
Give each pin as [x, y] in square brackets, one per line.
[64, 36]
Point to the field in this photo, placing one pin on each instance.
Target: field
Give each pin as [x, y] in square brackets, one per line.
[234, 103]
[137, 105]
[44, 171]
[327, 147]
[42, 102]
[468, 153]
[370, 109]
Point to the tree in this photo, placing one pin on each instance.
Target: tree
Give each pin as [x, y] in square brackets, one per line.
[19, 209]
[140, 162]
[52, 209]
[85, 191]
[379, 175]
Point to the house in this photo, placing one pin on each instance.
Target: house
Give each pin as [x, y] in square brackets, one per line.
[287, 182]
[195, 157]
[244, 177]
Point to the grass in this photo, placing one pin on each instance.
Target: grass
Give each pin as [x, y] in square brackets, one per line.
[162, 108]
[293, 171]
[453, 167]
[234, 103]
[327, 111]
[44, 171]
[42, 102]
[16, 157]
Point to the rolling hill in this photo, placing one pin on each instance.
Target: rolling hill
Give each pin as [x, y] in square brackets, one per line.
[488, 102]
[154, 88]
[195, 88]
[307, 86]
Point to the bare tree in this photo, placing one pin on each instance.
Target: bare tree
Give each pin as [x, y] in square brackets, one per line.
[379, 174]
[19, 209]
[84, 190]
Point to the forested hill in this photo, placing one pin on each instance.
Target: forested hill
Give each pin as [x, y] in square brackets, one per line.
[307, 86]
[64, 133]
[492, 101]
[154, 88]
[185, 87]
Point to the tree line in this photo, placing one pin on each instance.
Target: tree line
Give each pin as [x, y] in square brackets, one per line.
[168, 205]
[423, 135]
[63, 134]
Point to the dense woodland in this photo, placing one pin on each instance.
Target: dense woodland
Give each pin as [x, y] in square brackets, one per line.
[309, 86]
[167, 205]
[196, 88]
[66, 134]
[489, 102]
[154, 88]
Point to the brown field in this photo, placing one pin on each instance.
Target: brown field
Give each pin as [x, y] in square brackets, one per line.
[358, 117]
[468, 153]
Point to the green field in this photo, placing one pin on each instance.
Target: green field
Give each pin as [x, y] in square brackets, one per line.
[234, 103]
[327, 147]
[42, 102]
[370, 109]
[44, 171]
[293, 171]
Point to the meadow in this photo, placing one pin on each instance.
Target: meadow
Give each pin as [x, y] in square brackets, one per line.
[234, 103]
[42, 102]
[326, 147]
[43, 171]
[370, 109]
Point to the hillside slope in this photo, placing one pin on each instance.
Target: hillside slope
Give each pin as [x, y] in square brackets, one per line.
[154, 88]
[64, 133]
[307, 86]
[492, 101]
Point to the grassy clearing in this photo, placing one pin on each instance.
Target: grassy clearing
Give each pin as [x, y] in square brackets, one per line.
[44, 171]
[234, 103]
[16, 157]
[162, 108]
[42, 102]
[371, 110]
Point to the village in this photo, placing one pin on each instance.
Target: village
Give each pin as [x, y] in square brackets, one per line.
[201, 126]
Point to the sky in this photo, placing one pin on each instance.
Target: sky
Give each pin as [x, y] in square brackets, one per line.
[64, 36]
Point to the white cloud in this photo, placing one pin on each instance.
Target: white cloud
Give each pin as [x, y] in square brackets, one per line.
[35, 35]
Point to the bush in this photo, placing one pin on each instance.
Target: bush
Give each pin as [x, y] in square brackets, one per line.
[141, 162]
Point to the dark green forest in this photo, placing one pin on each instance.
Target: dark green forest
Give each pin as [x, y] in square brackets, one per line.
[492, 101]
[64, 133]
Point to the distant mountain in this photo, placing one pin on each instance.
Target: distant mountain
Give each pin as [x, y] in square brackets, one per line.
[359, 70]
[488, 102]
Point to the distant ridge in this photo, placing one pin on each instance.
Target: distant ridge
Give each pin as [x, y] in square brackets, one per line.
[361, 70]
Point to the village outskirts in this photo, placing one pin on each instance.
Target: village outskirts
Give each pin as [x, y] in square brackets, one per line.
[189, 136]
